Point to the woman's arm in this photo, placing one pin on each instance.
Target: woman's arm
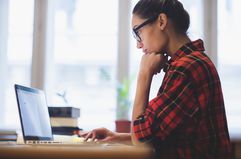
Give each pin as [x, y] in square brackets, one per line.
[150, 64]
[141, 99]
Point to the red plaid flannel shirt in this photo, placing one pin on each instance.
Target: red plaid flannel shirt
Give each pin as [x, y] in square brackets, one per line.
[187, 120]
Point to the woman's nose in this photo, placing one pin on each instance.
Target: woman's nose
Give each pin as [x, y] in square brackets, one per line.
[139, 45]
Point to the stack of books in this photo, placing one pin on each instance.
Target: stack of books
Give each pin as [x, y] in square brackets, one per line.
[64, 120]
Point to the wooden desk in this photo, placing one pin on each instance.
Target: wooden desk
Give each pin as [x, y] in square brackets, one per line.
[12, 151]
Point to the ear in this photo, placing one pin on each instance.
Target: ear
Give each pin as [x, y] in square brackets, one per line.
[162, 20]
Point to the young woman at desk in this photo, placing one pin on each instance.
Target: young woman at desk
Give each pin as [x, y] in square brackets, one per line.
[186, 120]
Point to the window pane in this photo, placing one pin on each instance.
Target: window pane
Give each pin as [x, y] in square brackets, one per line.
[85, 51]
[19, 53]
[195, 10]
[229, 57]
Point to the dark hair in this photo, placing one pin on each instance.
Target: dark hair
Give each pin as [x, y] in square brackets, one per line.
[172, 8]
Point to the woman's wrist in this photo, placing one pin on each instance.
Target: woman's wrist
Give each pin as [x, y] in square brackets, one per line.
[123, 137]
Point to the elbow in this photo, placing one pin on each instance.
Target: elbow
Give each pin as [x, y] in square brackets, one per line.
[141, 131]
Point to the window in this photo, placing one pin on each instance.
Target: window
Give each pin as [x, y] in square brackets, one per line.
[229, 58]
[19, 23]
[85, 42]
[85, 51]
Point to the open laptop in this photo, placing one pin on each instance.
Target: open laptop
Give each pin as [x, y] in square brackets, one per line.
[34, 117]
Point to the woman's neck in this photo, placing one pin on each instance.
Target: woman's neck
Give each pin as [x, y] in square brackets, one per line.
[176, 43]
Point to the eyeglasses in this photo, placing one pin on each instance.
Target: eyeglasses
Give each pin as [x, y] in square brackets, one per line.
[136, 29]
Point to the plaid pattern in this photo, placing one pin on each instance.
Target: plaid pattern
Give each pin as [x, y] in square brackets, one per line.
[187, 119]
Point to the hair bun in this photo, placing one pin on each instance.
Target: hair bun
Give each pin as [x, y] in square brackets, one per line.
[172, 8]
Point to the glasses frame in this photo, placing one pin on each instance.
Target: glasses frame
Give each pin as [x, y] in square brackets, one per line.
[137, 28]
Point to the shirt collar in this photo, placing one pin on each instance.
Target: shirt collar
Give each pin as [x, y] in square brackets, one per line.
[188, 48]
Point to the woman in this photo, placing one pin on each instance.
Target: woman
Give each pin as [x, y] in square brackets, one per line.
[186, 120]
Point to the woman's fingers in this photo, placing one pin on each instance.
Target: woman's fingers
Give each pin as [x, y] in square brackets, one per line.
[100, 134]
[82, 134]
[89, 135]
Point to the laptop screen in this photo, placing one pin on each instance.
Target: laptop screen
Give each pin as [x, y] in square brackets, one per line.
[34, 113]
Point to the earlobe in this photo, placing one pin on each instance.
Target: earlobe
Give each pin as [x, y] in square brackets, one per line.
[162, 26]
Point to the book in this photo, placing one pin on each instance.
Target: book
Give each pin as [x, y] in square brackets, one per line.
[65, 130]
[8, 135]
[63, 121]
[71, 112]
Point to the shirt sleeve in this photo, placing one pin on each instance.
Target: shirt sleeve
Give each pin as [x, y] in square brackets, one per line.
[168, 110]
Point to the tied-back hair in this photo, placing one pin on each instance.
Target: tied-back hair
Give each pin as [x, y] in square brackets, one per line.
[172, 8]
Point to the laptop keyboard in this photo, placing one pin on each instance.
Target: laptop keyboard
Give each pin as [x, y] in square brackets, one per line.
[43, 142]
[47, 142]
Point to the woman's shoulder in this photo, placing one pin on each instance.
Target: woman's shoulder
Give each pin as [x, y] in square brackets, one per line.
[195, 58]
[194, 61]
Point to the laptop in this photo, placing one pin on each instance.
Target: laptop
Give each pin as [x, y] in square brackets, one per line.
[34, 117]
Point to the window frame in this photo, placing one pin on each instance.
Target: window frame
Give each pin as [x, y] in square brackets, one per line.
[4, 8]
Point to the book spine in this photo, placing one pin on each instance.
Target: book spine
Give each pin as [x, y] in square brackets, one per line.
[64, 112]
[65, 130]
[64, 121]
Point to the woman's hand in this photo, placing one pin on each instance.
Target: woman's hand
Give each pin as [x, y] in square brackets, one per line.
[152, 63]
[105, 135]
[100, 134]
